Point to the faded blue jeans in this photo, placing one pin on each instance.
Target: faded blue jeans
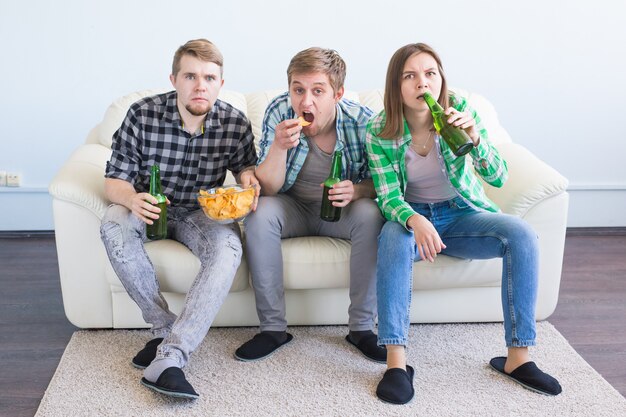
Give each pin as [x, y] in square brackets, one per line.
[469, 234]
[217, 246]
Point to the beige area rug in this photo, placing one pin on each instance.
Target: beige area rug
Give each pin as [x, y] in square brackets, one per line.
[319, 374]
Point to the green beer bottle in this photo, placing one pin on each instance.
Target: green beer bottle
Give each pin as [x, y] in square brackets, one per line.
[158, 229]
[329, 212]
[457, 139]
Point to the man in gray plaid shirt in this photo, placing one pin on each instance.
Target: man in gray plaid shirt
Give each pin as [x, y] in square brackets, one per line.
[194, 138]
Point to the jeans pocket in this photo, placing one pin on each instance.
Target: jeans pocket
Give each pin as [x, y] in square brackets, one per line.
[459, 203]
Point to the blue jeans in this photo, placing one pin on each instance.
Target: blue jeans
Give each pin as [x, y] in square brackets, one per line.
[469, 234]
[218, 246]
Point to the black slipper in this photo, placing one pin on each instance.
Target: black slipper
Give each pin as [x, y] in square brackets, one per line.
[368, 346]
[172, 382]
[396, 387]
[146, 355]
[260, 346]
[530, 376]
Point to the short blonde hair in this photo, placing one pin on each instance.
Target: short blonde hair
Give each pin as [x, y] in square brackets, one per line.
[201, 49]
[315, 59]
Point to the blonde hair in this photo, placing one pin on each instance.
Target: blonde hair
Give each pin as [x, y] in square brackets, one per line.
[201, 49]
[394, 117]
[322, 60]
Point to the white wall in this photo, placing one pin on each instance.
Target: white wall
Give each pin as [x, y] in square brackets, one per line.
[554, 71]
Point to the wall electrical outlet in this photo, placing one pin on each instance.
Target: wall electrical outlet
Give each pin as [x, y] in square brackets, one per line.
[3, 178]
[13, 179]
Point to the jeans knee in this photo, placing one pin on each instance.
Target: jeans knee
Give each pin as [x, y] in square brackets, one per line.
[393, 235]
[392, 230]
[233, 243]
[265, 217]
[227, 245]
[113, 239]
[368, 214]
[522, 234]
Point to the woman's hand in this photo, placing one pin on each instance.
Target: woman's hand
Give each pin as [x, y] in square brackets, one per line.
[465, 121]
[427, 239]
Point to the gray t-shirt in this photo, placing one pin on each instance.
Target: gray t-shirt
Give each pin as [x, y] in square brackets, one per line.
[313, 172]
[426, 179]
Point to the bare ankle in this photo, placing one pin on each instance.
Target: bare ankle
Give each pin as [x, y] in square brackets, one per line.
[396, 356]
[516, 357]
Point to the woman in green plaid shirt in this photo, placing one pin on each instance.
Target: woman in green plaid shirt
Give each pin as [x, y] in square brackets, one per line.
[435, 204]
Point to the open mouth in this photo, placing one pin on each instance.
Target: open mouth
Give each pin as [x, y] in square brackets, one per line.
[309, 117]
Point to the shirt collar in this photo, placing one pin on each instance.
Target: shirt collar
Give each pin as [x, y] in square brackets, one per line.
[172, 115]
[406, 136]
[339, 116]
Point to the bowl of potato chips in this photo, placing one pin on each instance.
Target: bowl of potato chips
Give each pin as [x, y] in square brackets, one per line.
[228, 203]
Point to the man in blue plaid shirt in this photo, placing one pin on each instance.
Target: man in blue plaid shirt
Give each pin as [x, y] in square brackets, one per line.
[295, 159]
[194, 138]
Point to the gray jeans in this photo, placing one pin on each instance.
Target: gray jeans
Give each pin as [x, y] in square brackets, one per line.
[217, 246]
[281, 216]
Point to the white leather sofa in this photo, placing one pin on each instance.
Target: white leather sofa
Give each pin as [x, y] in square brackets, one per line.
[316, 268]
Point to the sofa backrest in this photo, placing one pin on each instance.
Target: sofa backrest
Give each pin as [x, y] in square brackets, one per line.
[254, 105]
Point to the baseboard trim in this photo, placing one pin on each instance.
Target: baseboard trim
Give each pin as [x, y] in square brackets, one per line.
[18, 234]
[596, 231]
[571, 231]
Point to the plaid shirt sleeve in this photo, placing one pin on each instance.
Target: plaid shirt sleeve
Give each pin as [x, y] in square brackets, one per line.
[273, 116]
[125, 160]
[386, 173]
[245, 154]
[365, 114]
[488, 163]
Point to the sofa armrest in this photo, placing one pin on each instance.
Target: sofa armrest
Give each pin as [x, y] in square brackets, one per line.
[81, 179]
[530, 182]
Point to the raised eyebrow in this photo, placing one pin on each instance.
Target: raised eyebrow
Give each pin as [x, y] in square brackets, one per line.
[319, 84]
[186, 74]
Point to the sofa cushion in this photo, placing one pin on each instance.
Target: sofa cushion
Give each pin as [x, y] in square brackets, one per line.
[314, 262]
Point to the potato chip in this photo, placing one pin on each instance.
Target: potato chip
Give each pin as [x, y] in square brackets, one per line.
[303, 122]
[230, 203]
